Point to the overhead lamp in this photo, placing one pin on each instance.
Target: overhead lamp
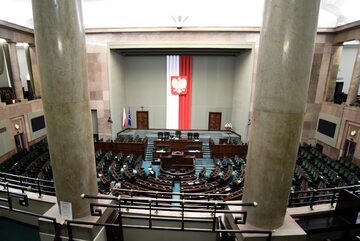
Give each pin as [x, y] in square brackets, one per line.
[179, 20]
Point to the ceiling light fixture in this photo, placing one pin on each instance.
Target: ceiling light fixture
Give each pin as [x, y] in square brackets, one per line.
[179, 20]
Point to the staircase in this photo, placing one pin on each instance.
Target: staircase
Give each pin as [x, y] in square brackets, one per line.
[206, 150]
[149, 150]
[206, 161]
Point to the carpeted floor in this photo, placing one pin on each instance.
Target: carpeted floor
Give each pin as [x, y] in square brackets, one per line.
[14, 231]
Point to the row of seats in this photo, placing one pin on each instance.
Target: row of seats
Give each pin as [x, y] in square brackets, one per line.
[166, 135]
[21, 163]
[128, 138]
[314, 171]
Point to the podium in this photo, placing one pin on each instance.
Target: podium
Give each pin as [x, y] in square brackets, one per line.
[177, 163]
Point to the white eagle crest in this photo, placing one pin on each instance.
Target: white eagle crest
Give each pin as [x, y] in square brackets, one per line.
[179, 85]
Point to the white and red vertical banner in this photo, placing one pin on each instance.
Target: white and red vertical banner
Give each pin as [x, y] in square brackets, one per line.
[172, 101]
[178, 91]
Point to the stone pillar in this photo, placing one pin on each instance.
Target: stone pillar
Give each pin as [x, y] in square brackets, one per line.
[283, 73]
[15, 71]
[333, 72]
[60, 45]
[35, 71]
[355, 80]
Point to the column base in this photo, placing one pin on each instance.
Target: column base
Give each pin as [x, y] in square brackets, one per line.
[79, 232]
[289, 231]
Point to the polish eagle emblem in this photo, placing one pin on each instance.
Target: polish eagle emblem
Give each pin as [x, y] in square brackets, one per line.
[178, 85]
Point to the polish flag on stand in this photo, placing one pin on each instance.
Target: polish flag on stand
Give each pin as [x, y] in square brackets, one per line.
[124, 118]
[129, 118]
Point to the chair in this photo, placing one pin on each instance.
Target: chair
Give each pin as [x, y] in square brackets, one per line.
[178, 134]
[160, 135]
[166, 135]
[190, 136]
[196, 136]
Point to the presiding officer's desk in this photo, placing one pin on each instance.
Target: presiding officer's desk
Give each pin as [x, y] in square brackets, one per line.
[189, 147]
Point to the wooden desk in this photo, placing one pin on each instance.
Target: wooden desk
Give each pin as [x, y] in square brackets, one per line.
[228, 150]
[136, 148]
[178, 144]
[177, 163]
[190, 147]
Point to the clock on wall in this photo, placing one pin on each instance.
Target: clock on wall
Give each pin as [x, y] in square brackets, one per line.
[353, 133]
[17, 127]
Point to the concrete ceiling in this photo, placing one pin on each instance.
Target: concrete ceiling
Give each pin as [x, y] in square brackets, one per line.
[162, 13]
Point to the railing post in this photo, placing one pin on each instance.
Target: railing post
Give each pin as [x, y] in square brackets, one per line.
[120, 220]
[156, 197]
[150, 215]
[20, 183]
[8, 195]
[291, 199]
[208, 203]
[312, 200]
[55, 224]
[269, 236]
[214, 218]
[38, 186]
[333, 197]
[182, 214]
[70, 235]
[131, 195]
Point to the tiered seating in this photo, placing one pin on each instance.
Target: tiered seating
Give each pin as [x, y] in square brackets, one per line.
[198, 187]
[128, 138]
[314, 170]
[133, 188]
[153, 186]
[46, 172]
[37, 166]
[7, 95]
[187, 177]
[7, 165]
[19, 163]
[226, 178]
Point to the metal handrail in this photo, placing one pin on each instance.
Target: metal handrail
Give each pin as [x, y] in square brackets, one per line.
[314, 194]
[22, 184]
[119, 203]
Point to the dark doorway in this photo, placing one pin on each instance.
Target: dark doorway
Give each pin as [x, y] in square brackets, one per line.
[142, 120]
[214, 121]
[19, 141]
[319, 147]
[349, 150]
[339, 87]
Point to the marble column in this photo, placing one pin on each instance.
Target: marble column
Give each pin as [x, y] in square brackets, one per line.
[355, 81]
[333, 72]
[15, 71]
[283, 74]
[60, 45]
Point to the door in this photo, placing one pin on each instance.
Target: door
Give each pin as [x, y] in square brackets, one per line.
[95, 125]
[142, 120]
[19, 141]
[214, 121]
[349, 149]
